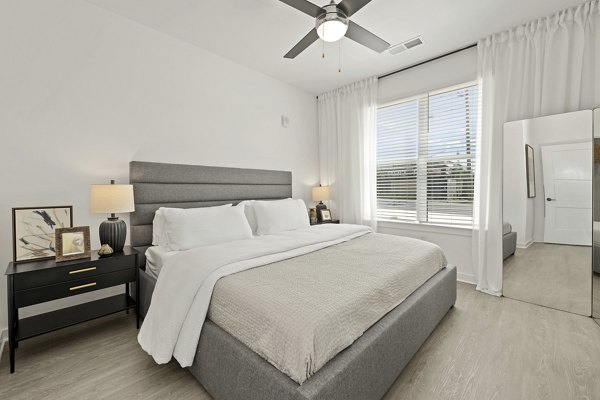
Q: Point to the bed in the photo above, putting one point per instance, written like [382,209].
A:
[228,368]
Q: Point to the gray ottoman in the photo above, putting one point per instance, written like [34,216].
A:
[509,241]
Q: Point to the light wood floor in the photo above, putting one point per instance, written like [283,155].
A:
[552,275]
[485,348]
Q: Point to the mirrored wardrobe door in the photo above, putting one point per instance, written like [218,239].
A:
[596,230]
[547,211]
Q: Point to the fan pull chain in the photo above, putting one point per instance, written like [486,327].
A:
[323,53]
[340,55]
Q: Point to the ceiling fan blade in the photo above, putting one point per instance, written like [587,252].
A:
[349,7]
[305,6]
[366,38]
[306,41]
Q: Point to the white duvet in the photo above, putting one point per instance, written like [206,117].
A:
[184,287]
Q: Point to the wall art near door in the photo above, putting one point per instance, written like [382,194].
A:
[530,166]
[33,231]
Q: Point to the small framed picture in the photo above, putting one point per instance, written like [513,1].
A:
[325,215]
[312,214]
[72,243]
[33,231]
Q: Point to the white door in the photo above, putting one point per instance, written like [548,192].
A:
[567,172]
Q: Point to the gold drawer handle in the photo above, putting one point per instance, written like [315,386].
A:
[83,286]
[81,270]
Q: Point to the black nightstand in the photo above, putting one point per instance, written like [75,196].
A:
[40,281]
[333,221]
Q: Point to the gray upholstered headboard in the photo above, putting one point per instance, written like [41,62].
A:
[186,186]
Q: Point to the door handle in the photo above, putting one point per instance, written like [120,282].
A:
[550,199]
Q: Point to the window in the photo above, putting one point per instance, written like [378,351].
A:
[426,149]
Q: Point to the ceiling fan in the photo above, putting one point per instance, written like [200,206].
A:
[333,23]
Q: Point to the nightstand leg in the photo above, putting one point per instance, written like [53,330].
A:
[137,305]
[127,293]
[16,323]
[11,350]
[137,294]
[12,358]
[11,323]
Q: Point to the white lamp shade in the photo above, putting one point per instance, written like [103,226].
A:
[111,199]
[320,193]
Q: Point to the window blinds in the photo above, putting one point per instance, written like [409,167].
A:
[426,150]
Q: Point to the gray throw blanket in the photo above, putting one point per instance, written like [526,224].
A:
[301,312]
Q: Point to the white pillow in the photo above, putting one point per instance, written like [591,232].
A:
[248,206]
[280,215]
[189,228]
[158,229]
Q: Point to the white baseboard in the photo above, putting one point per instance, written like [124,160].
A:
[466,278]
[3,340]
[524,245]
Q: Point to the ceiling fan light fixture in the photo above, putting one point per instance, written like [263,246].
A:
[332,25]
[332,31]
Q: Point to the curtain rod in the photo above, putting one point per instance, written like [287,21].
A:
[427,61]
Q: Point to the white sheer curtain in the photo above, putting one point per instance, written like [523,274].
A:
[548,66]
[347,150]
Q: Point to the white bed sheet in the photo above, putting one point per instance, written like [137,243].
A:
[156,256]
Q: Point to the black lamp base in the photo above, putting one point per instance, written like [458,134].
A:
[320,207]
[113,232]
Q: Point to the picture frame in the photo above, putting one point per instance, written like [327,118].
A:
[312,216]
[530,170]
[325,215]
[72,243]
[33,231]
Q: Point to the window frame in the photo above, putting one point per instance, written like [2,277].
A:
[421,213]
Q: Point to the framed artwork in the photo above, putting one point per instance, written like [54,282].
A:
[312,215]
[325,215]
[530,168]
[72,243]
[33,231]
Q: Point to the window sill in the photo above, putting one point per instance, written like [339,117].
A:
[421,227]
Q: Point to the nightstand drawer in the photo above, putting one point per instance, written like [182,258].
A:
[72,271]
[29,297]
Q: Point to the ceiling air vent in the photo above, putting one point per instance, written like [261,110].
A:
[407,45]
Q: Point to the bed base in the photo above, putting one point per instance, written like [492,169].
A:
[228,369]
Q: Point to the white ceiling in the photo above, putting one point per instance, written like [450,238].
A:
[257,33]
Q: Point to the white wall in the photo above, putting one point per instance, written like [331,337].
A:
[83,92]
[527,215]
[448,71]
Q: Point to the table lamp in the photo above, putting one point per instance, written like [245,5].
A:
[319,194]
[112,199]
